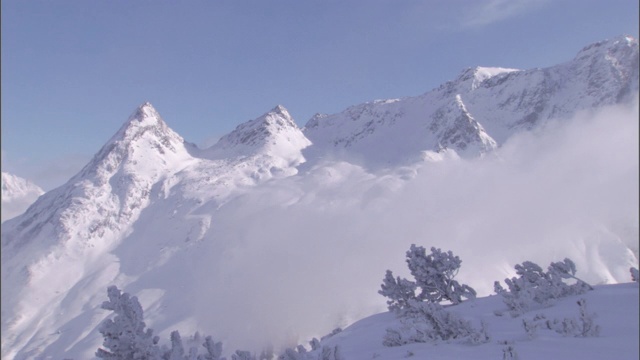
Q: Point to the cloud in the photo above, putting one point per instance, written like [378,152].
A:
[296,258]
[492,11]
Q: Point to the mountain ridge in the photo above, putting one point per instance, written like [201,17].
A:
[146,184]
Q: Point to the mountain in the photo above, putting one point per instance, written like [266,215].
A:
[17,195]
[480,109]
[229,239]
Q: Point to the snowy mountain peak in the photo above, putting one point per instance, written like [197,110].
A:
[15,186]
[144,118]
[145,110]
[472,78]
[144,129]
[274,129]
[17,195]
[607,48]
[281,110]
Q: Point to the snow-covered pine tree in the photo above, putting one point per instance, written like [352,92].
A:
[430,322]
[242,355]
[315,344]
[124,335]
[565,269]
[434,274]
[635,276]
[398,291]
[534,288]
[214,350]
[177,349]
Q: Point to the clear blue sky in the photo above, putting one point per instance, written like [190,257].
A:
[74,70]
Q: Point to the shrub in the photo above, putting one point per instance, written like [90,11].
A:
[434,277]
[125,336]
[583,326]
[535,288]
[429,322]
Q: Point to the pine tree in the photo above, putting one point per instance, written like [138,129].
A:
[124,335]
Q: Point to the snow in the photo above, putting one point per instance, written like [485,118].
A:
[276,233]
[17,195]
[615,306]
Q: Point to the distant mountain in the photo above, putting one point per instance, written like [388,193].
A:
[147,213]
[480,109]
[17,195]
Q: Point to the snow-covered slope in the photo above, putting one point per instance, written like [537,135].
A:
[229,240]
[615,308]
[17,195]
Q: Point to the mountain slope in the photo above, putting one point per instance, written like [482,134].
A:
[201,235]
[495,104]
[17,195]
[145,172]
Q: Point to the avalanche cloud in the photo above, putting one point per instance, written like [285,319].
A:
[309,252]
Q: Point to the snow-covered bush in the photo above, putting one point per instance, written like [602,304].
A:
[319,353]
[214,350]
[125,336]
[434,277]
[315,344]
[333,332]
[536,288]
[177,349]
[294,354]
[634,274]
[398,291]
[583,326]
[242,355]
[430,322]
[422,317]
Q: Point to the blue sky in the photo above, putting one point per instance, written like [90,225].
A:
[74,70]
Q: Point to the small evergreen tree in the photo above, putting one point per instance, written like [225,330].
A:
[242,355]
[434,276]
[177,349]
[124,335]
[634,274]
[214,350]
[430,322]
[399,291]
[315,344]
[534,288]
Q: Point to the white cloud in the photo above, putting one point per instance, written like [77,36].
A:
[47,174]
[492,11]
[306,254]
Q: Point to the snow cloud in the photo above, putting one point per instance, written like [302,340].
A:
[298,257]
